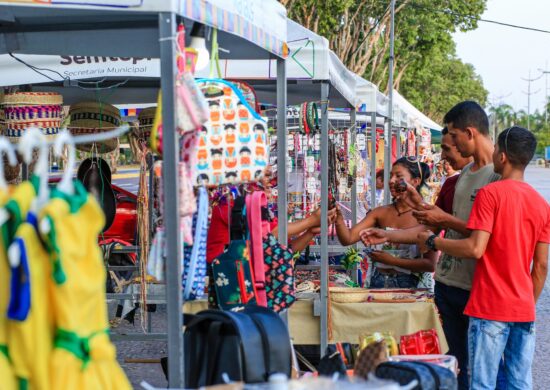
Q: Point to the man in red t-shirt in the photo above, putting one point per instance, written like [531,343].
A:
[510,225]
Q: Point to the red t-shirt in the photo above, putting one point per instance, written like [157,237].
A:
[447,194]
[518,218]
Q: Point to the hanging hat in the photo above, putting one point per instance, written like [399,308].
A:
[94,118]
[146,118]
[22,110]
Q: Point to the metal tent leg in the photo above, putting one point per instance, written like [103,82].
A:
[174,300]
[373,161]
[282,152]
[387,159]
[324,215]
[353,119]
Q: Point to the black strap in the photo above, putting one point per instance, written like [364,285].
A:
[238,219]
[210,355]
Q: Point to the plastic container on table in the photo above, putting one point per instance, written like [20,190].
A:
[423,342]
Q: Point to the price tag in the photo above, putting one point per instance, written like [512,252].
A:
[288,164]
[310,163]
[361,141]
[317,142]
[311,185]
[360,185]
[290,143]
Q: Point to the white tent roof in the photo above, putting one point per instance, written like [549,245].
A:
[369,98]
[415,116]
[310,59]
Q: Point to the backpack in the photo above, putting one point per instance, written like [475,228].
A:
[233,145]
[248,346]
[429,376]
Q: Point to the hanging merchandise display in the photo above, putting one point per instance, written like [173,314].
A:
[249,94]
[194,261]
[411,143]
[233,145]
[22,110]
[146,117]
[94,118]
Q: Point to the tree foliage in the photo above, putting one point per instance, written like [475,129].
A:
[504,116]
[359,33]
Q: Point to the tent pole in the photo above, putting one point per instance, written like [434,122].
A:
[174,300]
[353,117]
[282,152]
[324,215]
[387,159]
[389,123]
[373,161]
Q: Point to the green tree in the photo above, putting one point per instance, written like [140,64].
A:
[359,33]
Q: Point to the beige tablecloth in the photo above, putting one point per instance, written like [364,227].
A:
[350,320]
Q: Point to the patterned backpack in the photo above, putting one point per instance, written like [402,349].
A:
[233,145]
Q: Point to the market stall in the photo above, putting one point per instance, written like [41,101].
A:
[144,29]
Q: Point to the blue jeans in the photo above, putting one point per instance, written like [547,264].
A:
[399,280]
[451,302]
[488,340]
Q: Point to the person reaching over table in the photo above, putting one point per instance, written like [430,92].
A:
[404,267]
[508,244]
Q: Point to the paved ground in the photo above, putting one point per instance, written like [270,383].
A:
[538,177]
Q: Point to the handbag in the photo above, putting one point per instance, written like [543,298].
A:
[279,274]
[258,229]
[232,277]
[370,358]
[194,257]
[233,144]
[428,376]
[246,346]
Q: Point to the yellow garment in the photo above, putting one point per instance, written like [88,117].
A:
[7,380]
[30,341]
[83,357]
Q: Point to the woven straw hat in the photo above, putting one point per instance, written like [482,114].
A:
[22,110]
[94,118]
[146,118]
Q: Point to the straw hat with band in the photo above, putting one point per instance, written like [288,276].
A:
[146,118]
[22,110]
[94,118]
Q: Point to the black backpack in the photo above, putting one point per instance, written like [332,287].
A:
[247,346]
[429,376]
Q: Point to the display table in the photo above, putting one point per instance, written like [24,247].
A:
[351,320]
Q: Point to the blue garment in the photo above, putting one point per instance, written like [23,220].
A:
[20,286]
[399,280]
[488,341]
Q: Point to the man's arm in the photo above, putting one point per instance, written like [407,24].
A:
[434,216]
[472,247]
[540,268]
[380,236]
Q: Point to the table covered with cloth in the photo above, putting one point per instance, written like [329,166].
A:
[351,320]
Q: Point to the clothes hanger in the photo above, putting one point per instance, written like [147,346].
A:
[65,138]
[34,139]
[6,147]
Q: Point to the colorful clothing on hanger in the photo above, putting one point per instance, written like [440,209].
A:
[6,371]
[30,329]
[83,357]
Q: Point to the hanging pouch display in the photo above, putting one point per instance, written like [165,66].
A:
[258,228]
[279,274]
[233,278]
[194,261]
[233,144]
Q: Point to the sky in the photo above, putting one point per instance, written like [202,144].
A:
[503,56]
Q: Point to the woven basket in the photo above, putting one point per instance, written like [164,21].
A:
[146,118]
[94,118]
[348,294]
[22,110]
